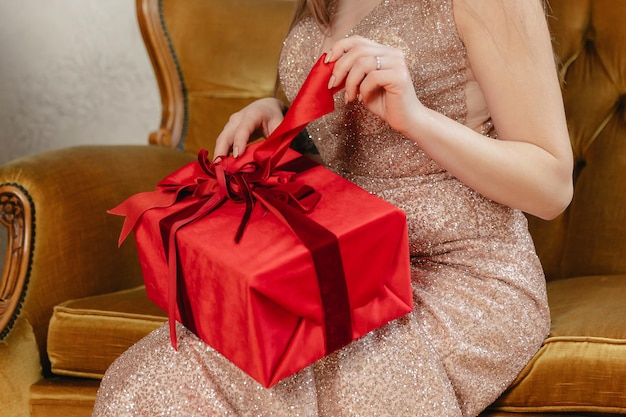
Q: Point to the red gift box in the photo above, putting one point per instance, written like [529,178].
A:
[321,263]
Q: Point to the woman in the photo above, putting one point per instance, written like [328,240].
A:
[451,111]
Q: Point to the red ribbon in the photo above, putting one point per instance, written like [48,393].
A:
[247,181]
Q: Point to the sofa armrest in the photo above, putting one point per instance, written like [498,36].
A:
[61,242]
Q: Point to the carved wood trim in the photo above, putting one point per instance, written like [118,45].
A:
[17,214]
[171,87]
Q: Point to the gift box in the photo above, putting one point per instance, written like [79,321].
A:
[271,259]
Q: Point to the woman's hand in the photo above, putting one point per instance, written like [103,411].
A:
[376,75]
[530,167]
[257,119]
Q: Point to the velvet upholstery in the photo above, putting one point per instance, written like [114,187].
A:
[63,397]
[225,75]
[80,303]
[582,364]
[85,335]
[203,81]
[590,43]
[20,367]
[75,250]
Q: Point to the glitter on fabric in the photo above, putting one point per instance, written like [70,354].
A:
[480,304]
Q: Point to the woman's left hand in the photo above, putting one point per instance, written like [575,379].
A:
[376,75]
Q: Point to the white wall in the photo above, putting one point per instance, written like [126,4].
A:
[73,72]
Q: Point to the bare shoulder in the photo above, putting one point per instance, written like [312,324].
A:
[509,50]
[504,20]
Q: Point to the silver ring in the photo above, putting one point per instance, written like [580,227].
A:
[378,63]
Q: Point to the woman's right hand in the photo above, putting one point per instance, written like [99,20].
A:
[258,119]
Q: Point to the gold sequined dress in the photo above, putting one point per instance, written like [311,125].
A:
[479,291]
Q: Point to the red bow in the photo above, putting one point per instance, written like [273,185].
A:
[256,177]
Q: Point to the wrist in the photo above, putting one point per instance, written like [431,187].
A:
[419,123]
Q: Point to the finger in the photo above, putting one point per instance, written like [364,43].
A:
[355,64]
[349,69]
[362,68]
[272,124]
[240,140]
[338,54]
[234,136]
[372,85]
[339,48]
[223,142]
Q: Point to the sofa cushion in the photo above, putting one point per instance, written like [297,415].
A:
[581,367]
[20,367]
[85,335]
[63,397]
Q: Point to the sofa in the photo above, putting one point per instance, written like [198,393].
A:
[71,301]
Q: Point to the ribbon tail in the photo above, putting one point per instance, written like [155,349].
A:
[134,207]
[313,101]
[174,301]
[324,248]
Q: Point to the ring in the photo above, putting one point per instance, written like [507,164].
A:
[378,63]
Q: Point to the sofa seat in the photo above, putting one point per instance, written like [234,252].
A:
[586,344]
[63,397]
[582,364]
[86,335]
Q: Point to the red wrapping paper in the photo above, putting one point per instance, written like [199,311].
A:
[273,261]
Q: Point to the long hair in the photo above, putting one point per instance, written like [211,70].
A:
[320,10]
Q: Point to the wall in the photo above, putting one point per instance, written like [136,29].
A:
[73,72]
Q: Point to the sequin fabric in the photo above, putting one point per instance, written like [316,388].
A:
[479,291]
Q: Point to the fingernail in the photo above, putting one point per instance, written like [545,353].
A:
[331,82]
[346,98]
[328,56]
[235,151]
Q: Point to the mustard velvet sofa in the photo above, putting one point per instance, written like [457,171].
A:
[71,301]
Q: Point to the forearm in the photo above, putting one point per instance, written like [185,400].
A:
[518,174]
